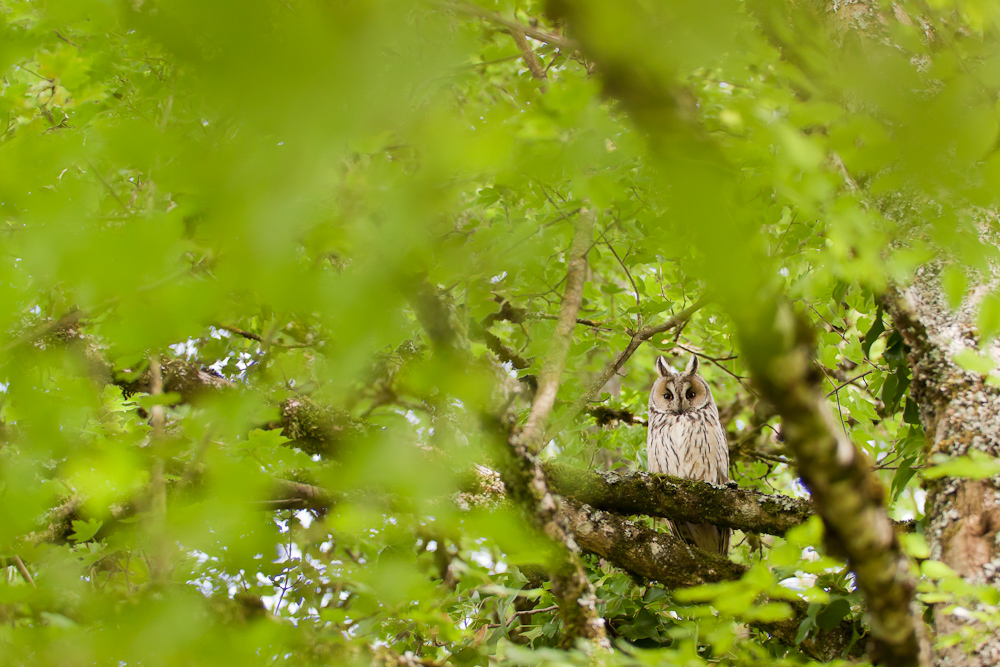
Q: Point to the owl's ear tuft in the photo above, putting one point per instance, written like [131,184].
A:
[663,368]
[692,366]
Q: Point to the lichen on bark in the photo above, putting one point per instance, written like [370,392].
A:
[633,492]
[315,428]
[960,412]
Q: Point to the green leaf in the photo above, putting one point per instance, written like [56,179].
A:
[895,350]
[904,473]
[972,361]
[988,594]
[975,465]
[988,319]
[839,290]
[58,620]
[955,285]
[894,387]
[873,333]
[805,626]
[147,401]
[833,613]
[916,546]
[933,569]
[911,414]
[654,594]
[85,530]
[266,438]
[768,612]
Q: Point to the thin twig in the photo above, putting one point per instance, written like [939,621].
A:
[532,612]
[769,457]
[24,571]
[107,186]
[781,239]
[286,583]
[525,612]
[840,409]
[833,329]
[885,463]
[838,162]
[638,338]
[66,39]
[261,339]
[717,361]
[40,332]
[158,515]
[155,389]
[593,324]
[562,338]
[487,63]
[542,36]
[847,382]
[628,274]
[530,57]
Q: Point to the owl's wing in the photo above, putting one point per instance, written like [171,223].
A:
[704,536]
[720,448]
[723,534]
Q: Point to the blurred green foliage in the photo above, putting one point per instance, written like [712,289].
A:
[271,189]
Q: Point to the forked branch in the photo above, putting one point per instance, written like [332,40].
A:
[638,338]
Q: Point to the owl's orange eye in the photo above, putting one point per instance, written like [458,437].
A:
[690,394]
[669,395]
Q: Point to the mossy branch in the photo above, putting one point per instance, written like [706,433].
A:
[669,561]
[641,493]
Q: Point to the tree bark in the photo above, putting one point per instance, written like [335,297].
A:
[526,480]
[666,559]
[630,492]
[960,413]
[843,485]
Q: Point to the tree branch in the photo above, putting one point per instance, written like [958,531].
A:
[159,551]
[179,377]
[604,415]
[503,353]
[559,41]
[523,474]
[562,337]
[638,338]
[260,339]
[530,57]
[664,558]
[44,330]
[848,495]
[659,556]
[680,499]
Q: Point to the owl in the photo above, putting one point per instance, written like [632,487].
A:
[685,439]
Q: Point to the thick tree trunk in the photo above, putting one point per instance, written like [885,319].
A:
[960,414]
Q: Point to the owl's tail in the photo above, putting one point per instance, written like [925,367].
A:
[702,535]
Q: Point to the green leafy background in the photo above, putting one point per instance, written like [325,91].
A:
[174,173]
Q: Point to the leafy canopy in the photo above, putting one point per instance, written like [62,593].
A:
[330,204]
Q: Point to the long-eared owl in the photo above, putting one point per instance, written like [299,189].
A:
[686,439]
